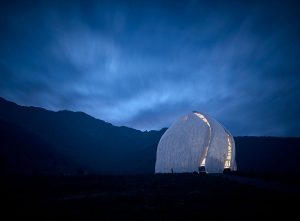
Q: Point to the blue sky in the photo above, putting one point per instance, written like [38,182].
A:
[143,64]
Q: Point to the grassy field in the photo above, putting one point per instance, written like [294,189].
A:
[148,197]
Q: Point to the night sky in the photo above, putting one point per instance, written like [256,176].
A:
[143,64]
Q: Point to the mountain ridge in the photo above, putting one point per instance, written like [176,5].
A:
[82,138]
[69,142]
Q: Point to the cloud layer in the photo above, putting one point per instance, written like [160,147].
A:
[144,64]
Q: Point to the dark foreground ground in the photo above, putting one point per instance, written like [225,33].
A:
[151,197]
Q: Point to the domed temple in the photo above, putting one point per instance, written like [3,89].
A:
[195,143]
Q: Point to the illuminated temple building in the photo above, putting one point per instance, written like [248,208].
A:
[195,143]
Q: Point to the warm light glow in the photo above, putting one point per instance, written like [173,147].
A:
[228,158]
[203,162]
[203,118]
[206,148]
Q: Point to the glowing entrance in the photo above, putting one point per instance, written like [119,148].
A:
[202,165]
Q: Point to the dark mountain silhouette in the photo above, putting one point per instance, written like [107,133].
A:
[37,141]
[73,140]
[26,153]
[276,155]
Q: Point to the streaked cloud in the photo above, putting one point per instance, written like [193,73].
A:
[143,64]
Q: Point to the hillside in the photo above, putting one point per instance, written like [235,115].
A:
[91,145]
[37,141]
